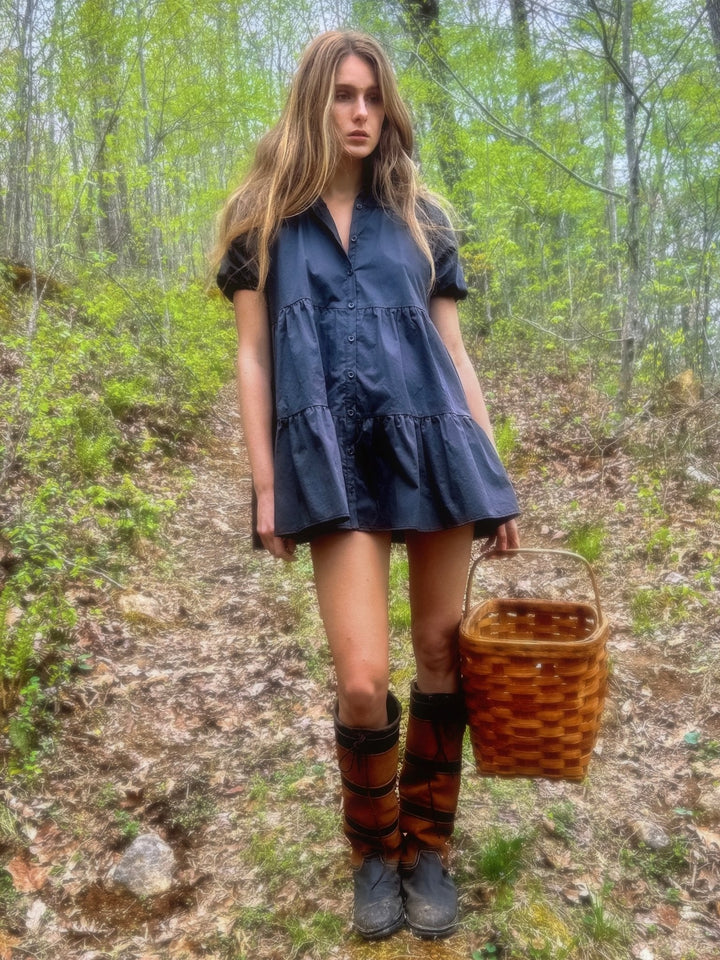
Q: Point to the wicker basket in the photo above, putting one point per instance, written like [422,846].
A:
[534,674]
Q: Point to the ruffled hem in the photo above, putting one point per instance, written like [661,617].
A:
[309,479]
[396,473]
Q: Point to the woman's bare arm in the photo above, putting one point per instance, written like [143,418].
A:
[254,380]
[444,314]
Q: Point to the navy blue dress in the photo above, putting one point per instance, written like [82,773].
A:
[373,431]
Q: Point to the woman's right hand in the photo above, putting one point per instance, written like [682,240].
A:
[282,548]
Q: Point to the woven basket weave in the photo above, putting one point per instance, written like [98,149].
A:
[534,674]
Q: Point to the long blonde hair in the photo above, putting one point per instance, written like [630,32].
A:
[296,159]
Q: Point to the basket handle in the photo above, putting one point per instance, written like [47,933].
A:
[492,552]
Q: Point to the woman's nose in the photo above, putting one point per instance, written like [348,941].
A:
[360,107]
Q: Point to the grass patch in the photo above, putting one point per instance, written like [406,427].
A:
[587,539]
[562,816]
[280,859]
[655,608]
[657,866]
[293,933]
[602,927]
[502,856]
[399,601]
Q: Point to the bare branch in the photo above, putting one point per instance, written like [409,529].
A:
[510,133]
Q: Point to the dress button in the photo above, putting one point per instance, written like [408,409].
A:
[353,238]
[358,206]
[351,338]
[350,449]
[351,412]
[351,304]
[349,271]
[351,374]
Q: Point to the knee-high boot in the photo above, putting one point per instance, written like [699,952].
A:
[368,761]
[429,790]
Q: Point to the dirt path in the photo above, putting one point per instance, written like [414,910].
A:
[205,719]
[196,694]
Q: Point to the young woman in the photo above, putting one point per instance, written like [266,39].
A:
[365,424]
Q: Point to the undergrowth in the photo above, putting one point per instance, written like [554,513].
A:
[102,388]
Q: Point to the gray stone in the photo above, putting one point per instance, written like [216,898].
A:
[651,835]
[147,866]
[709,802]
[139,607]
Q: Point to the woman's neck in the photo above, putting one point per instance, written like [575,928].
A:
[346,181]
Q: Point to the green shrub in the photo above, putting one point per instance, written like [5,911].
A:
[106,383]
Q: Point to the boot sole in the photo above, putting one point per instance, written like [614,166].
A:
[384,932]
[423,933]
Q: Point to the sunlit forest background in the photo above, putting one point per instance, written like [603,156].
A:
[578,142]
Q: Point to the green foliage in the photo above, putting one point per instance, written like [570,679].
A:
[399,606]
[667,606]
[587,539]
[704,749]
[32,638]
[502,856]
[489,951]
[107,386]
[517,134]
[128,826]
[562,816]
[602,926]
[659,866]
[506,437]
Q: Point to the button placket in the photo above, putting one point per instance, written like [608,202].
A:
[351,314]
[353,415]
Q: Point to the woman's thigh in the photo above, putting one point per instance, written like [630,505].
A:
[438,565]
[351,571]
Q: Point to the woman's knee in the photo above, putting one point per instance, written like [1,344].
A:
[362,701]
[436,646]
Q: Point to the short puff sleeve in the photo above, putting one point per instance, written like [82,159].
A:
[238,269]
[449,279]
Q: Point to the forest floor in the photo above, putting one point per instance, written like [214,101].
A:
[205,719]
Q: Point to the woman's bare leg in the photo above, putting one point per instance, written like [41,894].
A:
[351,577]
[438,564]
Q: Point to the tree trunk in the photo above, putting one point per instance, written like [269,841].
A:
[712,8]
[154,185]
[20,227]
[524,59]
[631,319]
[424,26]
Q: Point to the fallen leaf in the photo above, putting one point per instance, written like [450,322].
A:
[233,791]
[7,943]
[26,877]
[557,859]
[577,893]
[708,837]
[667,917]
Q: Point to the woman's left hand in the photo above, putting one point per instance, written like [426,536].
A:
[506,537]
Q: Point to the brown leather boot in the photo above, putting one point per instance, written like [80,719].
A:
[368,761]
[429,789]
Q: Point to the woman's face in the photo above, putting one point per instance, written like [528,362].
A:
[357,109]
